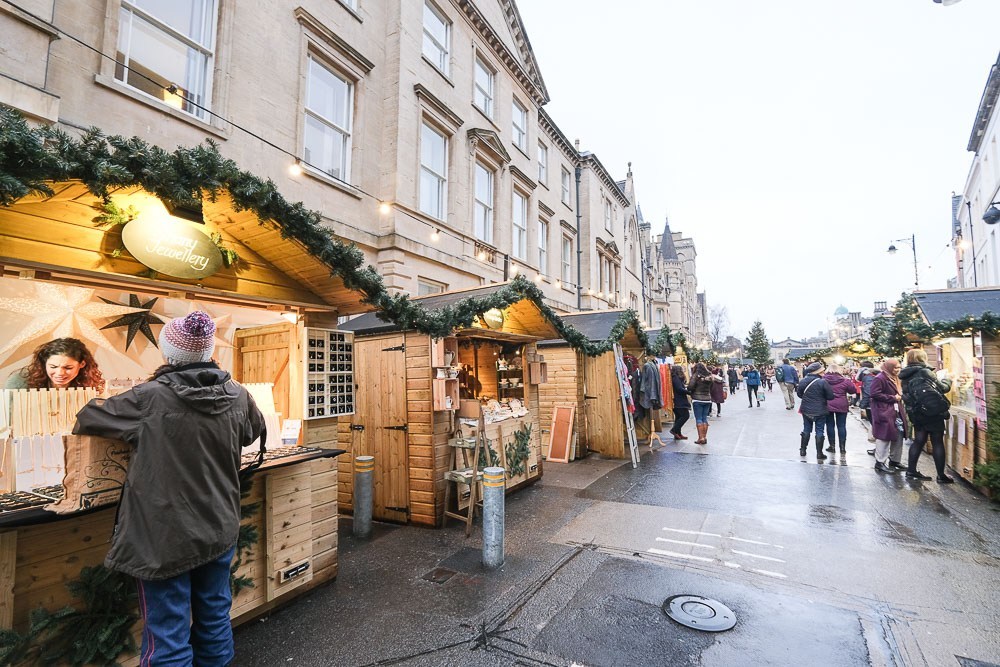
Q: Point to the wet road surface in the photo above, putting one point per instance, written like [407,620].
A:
[823,563]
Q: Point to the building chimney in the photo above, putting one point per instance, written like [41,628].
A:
[576,144]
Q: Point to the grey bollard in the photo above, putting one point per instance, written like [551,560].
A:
[493,516]
[364,469]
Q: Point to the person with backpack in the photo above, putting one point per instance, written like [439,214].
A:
[927,408]
[836,418]
[788,379]
[815,393]
[752,377]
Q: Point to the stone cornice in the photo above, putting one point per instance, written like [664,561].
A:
[438,106]
[602,173]
[556,135]
[545,209]
[489,143]
[522,177]
[987,106]
[532,81]
[333,40]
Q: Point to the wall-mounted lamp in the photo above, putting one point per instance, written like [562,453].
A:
[295,169]
[992,214]
[384,207]
[436,235]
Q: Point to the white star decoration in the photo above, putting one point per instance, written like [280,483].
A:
[60,312]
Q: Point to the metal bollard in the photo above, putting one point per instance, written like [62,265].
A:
[493,516]
[364,469]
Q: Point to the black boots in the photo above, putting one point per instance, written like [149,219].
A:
[804,444]
[833,446]
[820,456]
[843,446]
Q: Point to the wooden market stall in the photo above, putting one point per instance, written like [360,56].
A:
[414,391]
[972,360]
[276,306]
[589,384]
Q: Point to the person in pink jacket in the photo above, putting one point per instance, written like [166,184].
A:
[836,418]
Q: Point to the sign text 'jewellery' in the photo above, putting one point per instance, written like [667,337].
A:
[172,247]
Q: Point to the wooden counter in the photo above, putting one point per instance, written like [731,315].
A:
[296,524]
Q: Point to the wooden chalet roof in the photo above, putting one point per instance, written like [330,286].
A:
[596,325]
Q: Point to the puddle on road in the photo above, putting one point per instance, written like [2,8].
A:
[829,514]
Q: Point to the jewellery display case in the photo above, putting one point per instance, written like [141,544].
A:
[329,376]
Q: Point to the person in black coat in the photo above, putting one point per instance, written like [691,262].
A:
[682,404]
[814,392]
[917,376]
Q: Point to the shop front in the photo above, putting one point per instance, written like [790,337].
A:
[110,271]
[971,359]
[419,397]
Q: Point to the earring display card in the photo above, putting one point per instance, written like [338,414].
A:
[329,373]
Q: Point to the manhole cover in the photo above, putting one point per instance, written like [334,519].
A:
[700,613]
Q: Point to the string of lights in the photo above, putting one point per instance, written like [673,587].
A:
[295,169]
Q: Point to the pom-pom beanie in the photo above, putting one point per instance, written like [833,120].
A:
[189,339]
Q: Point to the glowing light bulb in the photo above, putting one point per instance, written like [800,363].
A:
[558,284]
[384,208]
[538,277]
[436,235]
[295,169]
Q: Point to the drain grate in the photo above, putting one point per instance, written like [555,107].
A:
[700,613]
[439,575]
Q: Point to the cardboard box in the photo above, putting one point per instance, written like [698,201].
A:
[469,408]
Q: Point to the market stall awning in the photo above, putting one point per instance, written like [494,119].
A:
[597,326]
[57,236]
[521,319]
[953,304]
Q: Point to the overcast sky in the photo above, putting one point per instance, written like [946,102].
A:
[792,139]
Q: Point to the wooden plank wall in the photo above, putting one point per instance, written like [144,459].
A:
[565,387]
[428,435]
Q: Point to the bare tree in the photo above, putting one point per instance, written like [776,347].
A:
[718,325]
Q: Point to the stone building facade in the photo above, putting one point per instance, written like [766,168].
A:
[415,128]
[676,301]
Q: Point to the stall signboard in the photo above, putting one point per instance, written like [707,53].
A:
[979,391]
[172,247]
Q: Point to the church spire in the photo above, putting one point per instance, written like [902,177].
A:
[667,248]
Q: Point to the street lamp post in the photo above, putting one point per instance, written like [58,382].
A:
[913,244]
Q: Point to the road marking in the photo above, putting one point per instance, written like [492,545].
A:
[733,565]
[745,553]
[692,532]
[661,552]
[693,544]
[770,574]
[763,544]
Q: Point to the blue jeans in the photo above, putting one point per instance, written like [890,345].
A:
[186,618]
[701,411]
[838,419]
[813,423]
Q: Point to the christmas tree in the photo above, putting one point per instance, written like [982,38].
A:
[758,348]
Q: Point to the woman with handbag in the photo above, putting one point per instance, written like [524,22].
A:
[888,418]
[927,408]
[700,387]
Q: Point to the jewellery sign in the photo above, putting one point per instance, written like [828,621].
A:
[172,247]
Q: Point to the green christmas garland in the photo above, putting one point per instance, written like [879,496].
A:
[32,158]
[518,451]
[988,473]
[246,539]
[96,634]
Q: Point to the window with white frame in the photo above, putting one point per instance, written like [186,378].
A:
[165,45]
[433,171]
[426,286]
[519,218]
[607,214]
[329,102]
[566,182]
[483,213]
[567,259]
[659,318]
[437,37]
[543,163]
[482,96]
[520,125]
[543,246]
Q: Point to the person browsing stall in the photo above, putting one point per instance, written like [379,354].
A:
[179,515]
